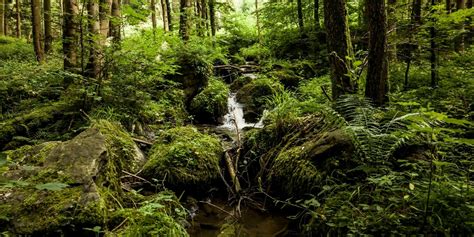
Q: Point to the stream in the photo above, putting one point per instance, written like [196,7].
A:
[211,217]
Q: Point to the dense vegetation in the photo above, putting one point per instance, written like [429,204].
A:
[358,117]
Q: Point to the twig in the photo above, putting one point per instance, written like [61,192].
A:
[219,208]
[142,141]
[232,173]
[120,225]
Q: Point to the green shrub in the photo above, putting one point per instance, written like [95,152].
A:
[15,49]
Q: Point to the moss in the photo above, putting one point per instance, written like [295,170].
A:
[255,95]
[184,157]
[32,155]
[240,82]
[211,103]
[287,77]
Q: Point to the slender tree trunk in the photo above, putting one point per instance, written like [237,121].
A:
[105,12]
[470,32]
[376,86]
[392,28]
[153,15]
[48,36]
[184,19]
[18,19]
[300,15]
[36,25]
[459,41]
[415,22]
[164,13]
[212,17]
[70,35]
[6,16]
[448,6]
[168,14]
[204,16]
[416,12]
[2,17]
[116,21]
[93,19]
[317,25]
[433,49]
[339,47]
[257,14]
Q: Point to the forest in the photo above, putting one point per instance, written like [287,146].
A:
[247,118]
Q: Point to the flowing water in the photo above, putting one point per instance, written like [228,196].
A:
[234,119]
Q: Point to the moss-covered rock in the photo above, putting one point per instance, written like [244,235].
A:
[67,186]
[288,78]
[211,104]
[240,82]
[184,158]
[255,94]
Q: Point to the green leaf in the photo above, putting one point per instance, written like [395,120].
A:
[52,186]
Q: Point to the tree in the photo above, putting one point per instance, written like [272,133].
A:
[18,19]
[300,15]
[116,22]
[2,17]
[70,35]
[164,14]
[168,14]
[376,86]
[153,15]
[212,17]
[459,41]
[184,19]
[433,49]
[316,15]
[339,47]
[415,23]
[392,28]
[36,25]
[105,11]
[93,67]
[48,36]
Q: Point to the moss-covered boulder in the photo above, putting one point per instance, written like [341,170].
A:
[184,158]
[61,187]
[211,103]
[255,95]
[288,78]
[240,82]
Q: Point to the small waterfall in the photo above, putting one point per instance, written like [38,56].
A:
[235,116]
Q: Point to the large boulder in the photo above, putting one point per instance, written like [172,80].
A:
[184,158]
[61,187]
[210,105]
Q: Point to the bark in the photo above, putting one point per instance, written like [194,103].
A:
[392,28]
[414,24]
[448,6]
[212,17]
[18,19]
[459,41]
[433,50]
[164,13]
[105,12]
[317,25]
[469,34]
[6,16]
[300,15]
[36,25]
[93,20]
[339,47]
[376,86]
[48,35]
[204,16]
[70,35]
[184,19]
[168,14]
[416,12]
[116,21]
[153,15]
[2,17]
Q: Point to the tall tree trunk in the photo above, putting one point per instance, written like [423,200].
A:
[433,49]
[116,21]
[168,14]
[2,17]
[153,15]
[470,32]
[93,20]
[36,25]
[317,25]
[392,28]
[6,16]
[212,17]
[70,35]
[105,12]
[416,12]
[300,15]
[448,6]
[184,19]
[18,19]
[164,12]
[339,47]
[459,41]
[48,35]
[204,16]
[376,86]
[415,22]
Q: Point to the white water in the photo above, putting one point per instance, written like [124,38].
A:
[234,119]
